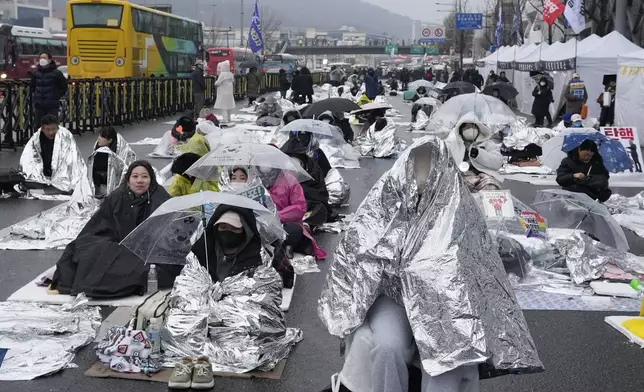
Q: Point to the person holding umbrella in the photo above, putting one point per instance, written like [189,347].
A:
[583,171]
[541,105]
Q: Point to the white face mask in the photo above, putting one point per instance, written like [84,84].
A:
[238,185]
[543,83]
[43,62]
[470,134]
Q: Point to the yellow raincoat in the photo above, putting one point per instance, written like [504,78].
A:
[197,144]
[363,100]
[181,186]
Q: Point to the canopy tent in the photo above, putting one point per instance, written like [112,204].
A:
[629,106]
[600,60]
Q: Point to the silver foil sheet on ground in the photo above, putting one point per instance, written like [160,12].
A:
[237,323]
[42,339]
[431,253]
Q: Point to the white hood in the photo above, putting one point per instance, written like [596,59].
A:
[222,67]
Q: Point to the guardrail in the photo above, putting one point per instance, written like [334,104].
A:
[93,103]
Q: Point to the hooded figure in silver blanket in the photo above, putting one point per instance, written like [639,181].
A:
[418,276]
[119,158]
[470,142]
[67,164]
[381,140]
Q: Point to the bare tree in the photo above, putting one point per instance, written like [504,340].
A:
[270,25]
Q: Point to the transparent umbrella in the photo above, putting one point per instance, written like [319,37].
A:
[420,83]
[245,154]
[490,111]
[166,237]
[307,125]
[568,210]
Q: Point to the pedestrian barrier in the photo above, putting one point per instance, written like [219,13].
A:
[92,103]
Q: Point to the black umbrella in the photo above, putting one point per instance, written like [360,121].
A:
[334,105]
[506,90]
[249,64]
[459,88]
[538,75]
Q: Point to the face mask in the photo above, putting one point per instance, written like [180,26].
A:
[237,186]
[470,134]
[577,124]
[43,62]
[543,83]
[230,239]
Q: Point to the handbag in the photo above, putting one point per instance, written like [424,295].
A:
[155,306]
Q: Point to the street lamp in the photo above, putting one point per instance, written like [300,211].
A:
[230,29]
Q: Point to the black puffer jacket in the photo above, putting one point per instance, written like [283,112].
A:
[48,86]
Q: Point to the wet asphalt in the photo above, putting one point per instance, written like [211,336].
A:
[580,351]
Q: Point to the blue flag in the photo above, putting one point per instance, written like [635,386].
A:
[255,39]
[516,25]
[499,28]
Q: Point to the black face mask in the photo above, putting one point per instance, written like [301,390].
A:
[230,239]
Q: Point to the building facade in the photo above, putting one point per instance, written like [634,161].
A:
[31,13]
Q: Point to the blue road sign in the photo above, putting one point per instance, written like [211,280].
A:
[467,21]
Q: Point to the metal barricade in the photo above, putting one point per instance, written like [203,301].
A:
[92,103]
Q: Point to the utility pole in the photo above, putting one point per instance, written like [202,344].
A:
[462,32]
[241,26]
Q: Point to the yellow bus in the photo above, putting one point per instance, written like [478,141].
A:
[118,39]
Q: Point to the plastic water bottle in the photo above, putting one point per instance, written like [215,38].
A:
[153,280]
[154,335]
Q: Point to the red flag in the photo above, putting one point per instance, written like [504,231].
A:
[551,10]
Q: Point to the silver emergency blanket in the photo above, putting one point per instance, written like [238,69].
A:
[117,163]
[42,339]
[433,255]
[421,123]
[339,153]
[339,190]
[381,144]
[168,147]
[237,323]
[67,163]
[56,227]
[522,136]
[588,259]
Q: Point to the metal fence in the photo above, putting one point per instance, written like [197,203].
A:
[92,103]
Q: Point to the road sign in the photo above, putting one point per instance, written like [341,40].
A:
[391,49]
[416,49]
[432,33]
[467,21]
[433,51]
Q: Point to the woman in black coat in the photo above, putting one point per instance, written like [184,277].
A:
[303,85]
[95,263]
[541,105]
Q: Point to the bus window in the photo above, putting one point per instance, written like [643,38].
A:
[24,46]
[57,47]
[41,45]
[103,15]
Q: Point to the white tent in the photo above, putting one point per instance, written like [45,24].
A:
[594,63]
[629,105]
[522,80]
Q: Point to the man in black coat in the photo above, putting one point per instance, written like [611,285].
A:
[198,88]
[583,171]
[48,86]
[541,105]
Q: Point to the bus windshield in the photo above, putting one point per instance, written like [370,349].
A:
[97,15]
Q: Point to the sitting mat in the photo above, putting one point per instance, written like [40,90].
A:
[100,370]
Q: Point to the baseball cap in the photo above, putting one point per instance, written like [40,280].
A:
[231,218]
[575,75]
[576,117]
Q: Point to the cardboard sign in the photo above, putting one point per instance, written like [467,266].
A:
[626,135]
[533,224]
[497,204]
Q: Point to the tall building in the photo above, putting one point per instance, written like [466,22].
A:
[25,12]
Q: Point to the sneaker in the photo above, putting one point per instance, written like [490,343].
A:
[202,377]
[181,377]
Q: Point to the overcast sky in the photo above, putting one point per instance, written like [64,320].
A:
[423,10]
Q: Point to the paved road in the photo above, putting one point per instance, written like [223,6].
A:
[581,352]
